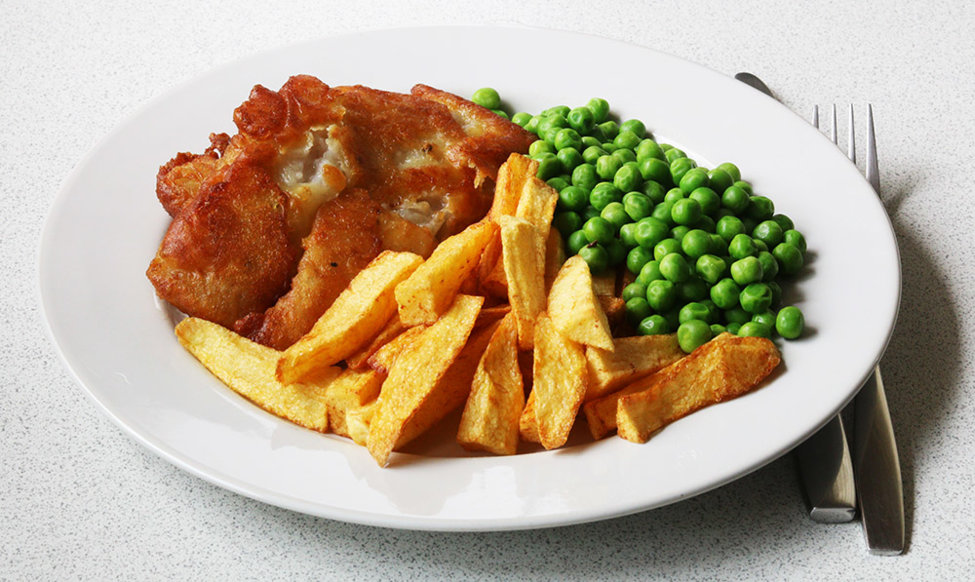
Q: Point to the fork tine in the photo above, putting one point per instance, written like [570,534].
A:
[872,169]
[815,117]
[851,147]
[833,116]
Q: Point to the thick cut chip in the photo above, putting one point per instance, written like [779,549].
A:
[604,285]
[431,289]
[493,314]
[523,255]
[537,204]
[491,416]
[512,176]
[528,422]
[393,328]
[351,390]
[382,360]
[249,369]
[560,380]
[357,315]
[416,372]
[357,420]
[719,370]
[554,257]
[574,309]
[633,358]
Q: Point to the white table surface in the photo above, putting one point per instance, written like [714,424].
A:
[81,500]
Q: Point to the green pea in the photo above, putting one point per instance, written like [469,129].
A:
[638,309]
[540,146]
[649,272]
[581,119]
[570,158]
[487,97]
[789,258]
[584,176]
[665,247]
[615,214]
[694,310]
[637,258]
[567,222]
[783,221]
[673,195]
[717,247]
[770,266]
[575,241]
[654,325]
[560,182]
[717,329]
[705,223]
[760,208]
[747,270]
[737,315]
[609,146]
[596,257]
[725,293]
[610,129]
[655,169]
[741,246]
[521,118]
[604,193]
[754,329]
[634,289]
[599,108]
[789,322]
[627,139]
[593,153]
[548,123]
[720,179]
[686,211]
[599,230]
[532,124]
[624,155]
[637,205]
[733,328]
[500,113]
[634,126]
[549,166]
[759,245]
[607,166]
[588,212]
[662,212]
[776,292]
[731,170]
[744,185]
[661,294]
[727,227]
[653,190]
[711,268]
[677,233]
[568,138]
[755,298]
[589,141]
[650,231]
[708,199]
[649,149]
[769,232]
[674,267]
[628,177]
[561,110]
[673,154]
[693,289]
[735,199]
[573,198]
[695,243]
[694,178]
[679,167]
[795,238]
[628,235]
[766,318]
[693,334]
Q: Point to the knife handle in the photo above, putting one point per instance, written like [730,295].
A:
[877,470]
[826,472]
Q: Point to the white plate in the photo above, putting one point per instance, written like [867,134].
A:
[118,341]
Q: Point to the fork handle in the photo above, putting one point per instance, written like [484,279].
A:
[877,470]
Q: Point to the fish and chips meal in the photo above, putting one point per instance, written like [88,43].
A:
[370,263]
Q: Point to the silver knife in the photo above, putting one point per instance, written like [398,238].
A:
[825,468]
[875,460]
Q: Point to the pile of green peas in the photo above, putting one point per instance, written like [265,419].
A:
[706,253]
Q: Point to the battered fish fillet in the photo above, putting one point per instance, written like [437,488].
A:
[355,170]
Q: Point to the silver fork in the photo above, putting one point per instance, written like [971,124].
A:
[876,466]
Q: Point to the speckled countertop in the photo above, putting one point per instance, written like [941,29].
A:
[81,500]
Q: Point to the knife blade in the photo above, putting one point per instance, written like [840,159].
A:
[825,466]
